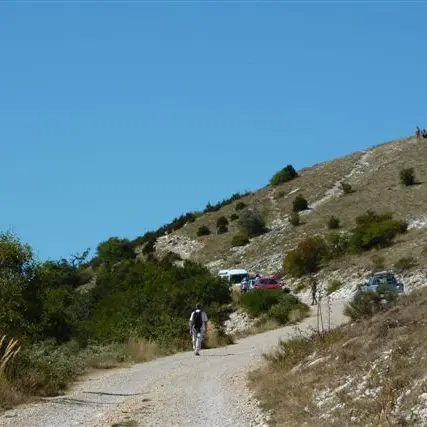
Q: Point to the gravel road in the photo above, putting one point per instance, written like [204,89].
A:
[179,390]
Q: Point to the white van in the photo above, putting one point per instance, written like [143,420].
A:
[234,275]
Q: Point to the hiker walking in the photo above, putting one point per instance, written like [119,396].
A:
[418,132]
[313,291]
[198,325]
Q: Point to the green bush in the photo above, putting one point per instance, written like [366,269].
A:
[259,301]
[233,217]
[307,257]
[222,221]
[407,176]
[338,243]
[282,311]
[252,223]
[367,303]
[294,219]
[115,250]
[346,188]
[333,286]
[240,206]
[286,174]
[203,230]
[300,203]
[333,222]
[375,231]
[222,229]
[405,264]
[240,239]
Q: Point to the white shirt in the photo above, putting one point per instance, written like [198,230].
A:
[204,317]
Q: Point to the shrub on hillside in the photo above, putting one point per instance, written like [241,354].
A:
[233,217]
[333,222]
[279,194]
[300,203]
[338,243]
[333,286]
[149,248]
[252,223]
[240,206]
[222,221]
[405,264]
[346,188]
[307,257]
[375,231]
[286,174]
[240,239]
[378,263]
[407,176]
[288,310]
[366,304]
[294,219]
[203,230]
[115,250]
[259,301]
[222,229]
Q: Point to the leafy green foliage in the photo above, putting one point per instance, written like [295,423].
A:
[252,223]
[338,243]
[333,222]
[222,220]
[407,176]
[115,250]
[307,257]
[240,239]
[272,304]
[294,219]
[375,231]
[284,175]
[225,202]
[203,230]
[367,303]
[300,203]
[333,286]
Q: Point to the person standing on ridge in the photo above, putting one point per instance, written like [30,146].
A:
[313,291]
[198,326]
[418,132]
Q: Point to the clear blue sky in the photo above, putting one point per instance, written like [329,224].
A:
[117,117]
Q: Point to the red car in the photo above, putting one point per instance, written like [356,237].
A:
[267,283]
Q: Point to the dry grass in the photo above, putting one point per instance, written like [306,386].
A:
[304,382]
[9,396]
[142,350]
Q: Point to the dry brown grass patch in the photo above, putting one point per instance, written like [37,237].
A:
[354,376]
[142,350]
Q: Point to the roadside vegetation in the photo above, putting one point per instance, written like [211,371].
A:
[369,372]
[55,330]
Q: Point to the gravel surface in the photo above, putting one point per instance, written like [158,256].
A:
[179,390]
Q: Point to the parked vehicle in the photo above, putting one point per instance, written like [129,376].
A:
[267,283]
[386,280]
[234,275]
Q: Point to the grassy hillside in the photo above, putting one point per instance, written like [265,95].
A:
[371,372]
[374,177]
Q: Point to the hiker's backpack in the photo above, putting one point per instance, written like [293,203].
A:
[197,320]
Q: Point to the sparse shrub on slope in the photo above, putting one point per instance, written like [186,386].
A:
[240,239]
[240,206]
[286,174]
[375,231]
[307,257]
[405,264]
[407,176]
[333,222]
[294,219]
[233,217]
[203,230]
[366,304]
[221,221]
[252,223]
[300,203]
[333,286]
[338,243]
[346,188]
[222,229]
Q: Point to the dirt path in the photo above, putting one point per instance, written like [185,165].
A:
[180,390]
